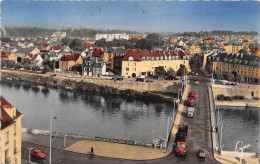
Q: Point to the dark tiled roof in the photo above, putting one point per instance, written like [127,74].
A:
[97,52]
[70,57]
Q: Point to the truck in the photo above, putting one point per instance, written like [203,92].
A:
[191,99]
[190,111]
[181,140]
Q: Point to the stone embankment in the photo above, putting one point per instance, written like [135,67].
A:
[166,90]
[251,96]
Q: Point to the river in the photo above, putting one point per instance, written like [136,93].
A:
[240,125]
[87,113]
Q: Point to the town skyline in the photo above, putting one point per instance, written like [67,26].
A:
[133,16]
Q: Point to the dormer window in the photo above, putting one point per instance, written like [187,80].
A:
[130,58]
[143,58]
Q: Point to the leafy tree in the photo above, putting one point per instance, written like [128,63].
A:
[240,78]
[101,43]
[171,74]
[182,70]
[76,44]
[66,41]
[27,66]
[26,61]
[230,76]
[6,40]
[9,64]
[35,68]
[160,71]
[218,75]
[17,66]
[46,69]
[3,63]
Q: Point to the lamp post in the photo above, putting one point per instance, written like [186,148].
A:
[169,118]
[65,140]
[30,149]
[53,116]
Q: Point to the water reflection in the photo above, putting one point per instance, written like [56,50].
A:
[35,89]
[26,87]
[45,91]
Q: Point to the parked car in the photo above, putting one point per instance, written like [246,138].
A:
[115,78]
[201,153]
[38,154]
[197,74]
[196,82]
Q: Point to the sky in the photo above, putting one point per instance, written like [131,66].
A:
[142,16]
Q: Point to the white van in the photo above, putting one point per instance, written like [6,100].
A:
[190,111]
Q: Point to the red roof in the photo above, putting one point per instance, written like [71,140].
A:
[30,55]
[6,120]
[210,38]
[97,52]
[70,57]
[137,54]
[5,53]
[245,40]
[35,56]
[254,50]
[225,44]
[184,40]
[22,41]
[88,46]
[46,45]
[57,47]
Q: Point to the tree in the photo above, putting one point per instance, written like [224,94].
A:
[6,40]
[160,71]
[27,66]
[76,44]
[9,63]
[171,74]
[218,75]
[240,78]
[17,66]
[230,76]
[101,43]
[182,70]
[3,62]
[26,61]
[35,68]
[66,41]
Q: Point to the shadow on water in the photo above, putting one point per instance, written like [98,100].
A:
[26,87]
[45,91]
[17,85]
[35,89]
[63,96]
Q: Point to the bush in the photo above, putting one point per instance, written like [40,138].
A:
[36,68]
[9,63]
[3,62]
[227,98]
[46,69]
[241,97]
[27,66]
[17,66]
[220,97]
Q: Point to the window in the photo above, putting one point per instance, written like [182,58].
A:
[14,129]
[127,69]
[15,150]
[6,156]
[7,138]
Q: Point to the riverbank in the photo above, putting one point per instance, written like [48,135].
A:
[156,90]
[251,96]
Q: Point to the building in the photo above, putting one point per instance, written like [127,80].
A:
[137,37]
[94,66]
[238,64]
[205,56]
[58,35]
[113,57]
[234,47]
[7,55]
[136,63]
[191,49]
[11,133]
[21,43]
[111,37]
[36,59]
[46,47]
[209,40]
[68,61]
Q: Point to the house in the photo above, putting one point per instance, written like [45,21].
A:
[137,37]
[233,47]
[46,47]
[36,59]
[209,40]
[8,55]
[57,48]
[113,57]
[89,47]
[94,66]
[191,49]
[21,43]
[58,35]
[136,62]
[24,51]
[11,133]
[98,52]
[68,61]
[238,64]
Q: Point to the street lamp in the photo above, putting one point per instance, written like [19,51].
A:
[65,140]
[169,118]
[30,149]
[53,116]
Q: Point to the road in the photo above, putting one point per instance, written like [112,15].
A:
[199,137]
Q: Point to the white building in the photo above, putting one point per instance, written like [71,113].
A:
[110,37]
[58,35]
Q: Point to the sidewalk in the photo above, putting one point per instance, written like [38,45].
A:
[123,151]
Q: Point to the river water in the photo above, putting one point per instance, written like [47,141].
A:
[240,125]
[88,113]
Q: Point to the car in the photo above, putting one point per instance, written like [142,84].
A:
[37,153]
[197,74]
[201,153]
[119,78]
[196,82]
